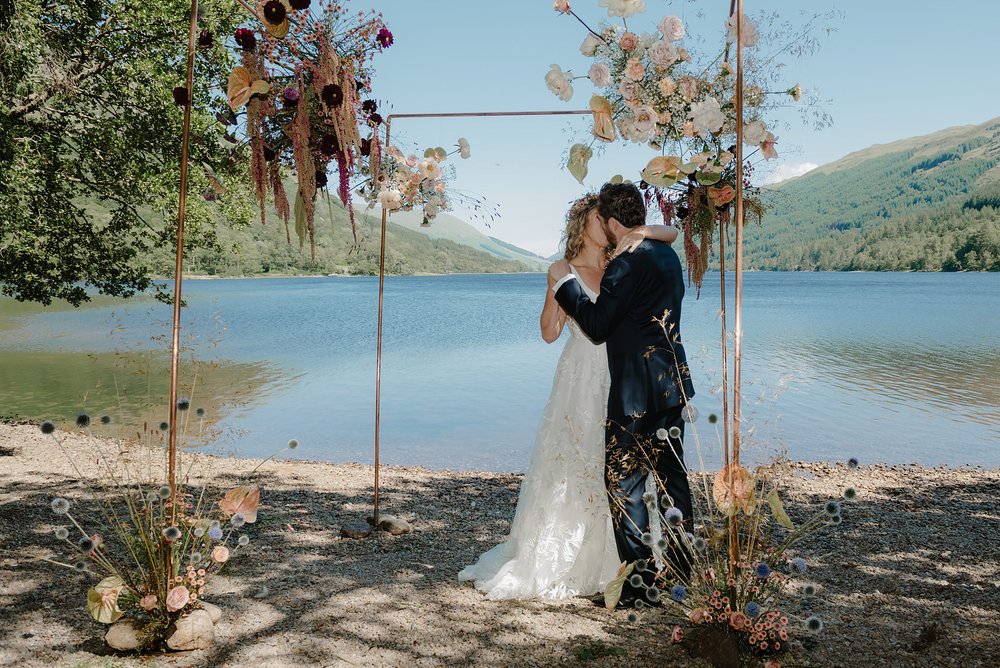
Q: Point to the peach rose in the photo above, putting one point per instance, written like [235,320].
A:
[667,86]
[629,41]
[737,620]
[561,6]
[148,602]
[178,597]
[634,69]
[697,616]
[220,554]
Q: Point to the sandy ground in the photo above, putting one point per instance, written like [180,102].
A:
[911,578]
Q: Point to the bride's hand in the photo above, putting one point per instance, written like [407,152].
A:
[629,243]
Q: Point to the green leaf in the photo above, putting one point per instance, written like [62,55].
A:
[778,510]
[708,178]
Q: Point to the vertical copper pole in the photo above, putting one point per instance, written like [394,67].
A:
[378,353]
[725,345]
[179,263]
[738,269]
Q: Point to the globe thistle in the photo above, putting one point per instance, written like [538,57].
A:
[799,564]
[62,533]
[814,624]
[678,592]
[699,544]
[215,524]
[171,534]
[243,541]
[199,532]
[640,566]
[674,516]
[86,544]
[689,413]
[753,609]
[662,434]
[653,594]
[200,412]
[164,426]
[82,420]
[164,492]
[647,538]
[80,566]
[762,570]
[850,494]
[292,444]
[662,544]
[238,520]
[215,533]
[196,558]
[636,581]
[105,419]
[639,604]
[183,404]
[809,590]
[60,506]
[835,519]
[712,418]
[633,618]
[674,432]
[47,427]
[852,463]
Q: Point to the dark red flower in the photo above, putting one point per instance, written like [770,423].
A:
[274,11]
[269,153]
[246,39]
[299,4]
[209,195]
[375,119]
[384,37]
[333,95]
[369,106]
[291,95]
[366,147]
[205,39]
[329,145]
[180,96]
[321,179]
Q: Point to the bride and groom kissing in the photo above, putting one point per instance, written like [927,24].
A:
[608,460]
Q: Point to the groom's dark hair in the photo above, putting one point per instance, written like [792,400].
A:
[623,202]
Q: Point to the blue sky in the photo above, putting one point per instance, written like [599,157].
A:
[889,74]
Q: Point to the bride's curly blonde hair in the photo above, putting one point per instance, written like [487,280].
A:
[574,236]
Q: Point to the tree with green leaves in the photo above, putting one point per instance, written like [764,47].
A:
[90,136]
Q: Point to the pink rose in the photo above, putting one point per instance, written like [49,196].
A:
[411,161]
[663,53]
[738,620]
[629,41]
[178,597]
[600,75]
[677,635]
[561,6]
[220,554]
[628,89]
[767,147]
[697,616]
[634,69]
[148,602]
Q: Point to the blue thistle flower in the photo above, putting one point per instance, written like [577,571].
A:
[238,520]
[639,604]
[712,418]
[199,532]
[62,533]
[86,544]
[653,594]
[673,516]
[832,508]
[835,519]
[82,420]
[809,590]
[215,533]
[852,463]
[633,618]
[678,592]
[662,544]
[814,624]
[183,404]
[674,432]
[636,581]
[47,427]
[699,544]
[196,558]
[105,419]
[689,413]
[80,566]
[849,494]
[640,566]
[799,564]
[647,538]
[171,534]
[753,609]
[762,570]
[164,492]
[200,412]
[662,434]
[164,426]
[292,444]
[60,506]
[243,541]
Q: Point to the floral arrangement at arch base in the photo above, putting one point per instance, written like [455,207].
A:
[148,553]
[302,97]
[651,91]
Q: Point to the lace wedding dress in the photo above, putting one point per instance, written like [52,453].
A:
[560,543]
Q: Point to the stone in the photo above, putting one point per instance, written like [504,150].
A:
[397,526]
[122,636]
[356,530]
[214,611]
[716,645]
[192,631]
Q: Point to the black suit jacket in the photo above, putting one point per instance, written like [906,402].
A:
[649,371]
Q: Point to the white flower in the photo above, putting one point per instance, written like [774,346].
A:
[390,199]
[663,53]
[629,130]
[590,44]
[749,30]
[558,83]
[600,75]
[707,116]
[561,6]
[623,8]
[754,133]
[430,169]
[645,119]
[431,209]
[463,148]
[672,28]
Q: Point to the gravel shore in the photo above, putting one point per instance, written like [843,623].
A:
[911,578]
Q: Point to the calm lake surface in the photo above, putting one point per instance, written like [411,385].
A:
[893,368]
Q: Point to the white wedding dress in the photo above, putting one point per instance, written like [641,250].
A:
[561,543]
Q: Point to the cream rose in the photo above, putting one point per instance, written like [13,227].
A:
[707,116]
[590,44]
[688,88]
[561,6]
[430,169]
[623,8]
[749,30]
[645,119]
[754,133]
[558,83]
[600,75]
[629,41]
[672,28]
[663,53]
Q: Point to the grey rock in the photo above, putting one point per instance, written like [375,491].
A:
[192,631]
[397,526]
[356,530]
[122,636]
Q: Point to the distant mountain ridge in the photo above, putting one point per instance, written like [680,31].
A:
[929,203]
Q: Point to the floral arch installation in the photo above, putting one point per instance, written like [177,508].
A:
[731,418]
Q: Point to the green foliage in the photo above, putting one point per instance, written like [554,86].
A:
[925,204]
[87,117]
[598,650]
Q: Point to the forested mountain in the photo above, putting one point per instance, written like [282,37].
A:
[929,203]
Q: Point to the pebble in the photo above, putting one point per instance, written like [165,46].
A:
[356,530]
[192,631]
[122,636]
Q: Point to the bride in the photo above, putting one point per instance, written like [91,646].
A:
[560,543]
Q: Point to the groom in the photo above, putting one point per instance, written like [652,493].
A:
[638,314]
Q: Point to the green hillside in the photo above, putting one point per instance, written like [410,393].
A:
[264,249]
[928,203]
